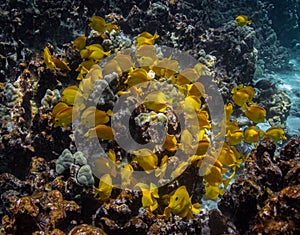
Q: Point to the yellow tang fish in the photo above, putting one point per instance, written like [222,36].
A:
[92,117]
[170,143]
[202,146]
[243,20]
[104,189]
[98,23]
[149,195]
[166,68]
[275,133]
[212,192]
[79,43]
[62,114]
[126,172]
[156,101]
[228,111]
[180,204]
[255,113]
[124,61]
[252,134]
[186,76]
[47,58]
[112,66]
[146,159]
[101,131]
[136,76]
[146,38]
[242,95]
[227,156]
[235,137]
[203,119]
[61,64]
[69,94]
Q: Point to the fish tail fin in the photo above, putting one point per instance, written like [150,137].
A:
[249,22]
[196,208]
[262,133]
[244,107]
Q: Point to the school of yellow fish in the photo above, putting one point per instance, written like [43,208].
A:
[177,202]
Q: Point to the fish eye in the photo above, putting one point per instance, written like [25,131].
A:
[176,198]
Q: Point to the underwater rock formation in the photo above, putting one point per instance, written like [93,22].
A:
[264,196]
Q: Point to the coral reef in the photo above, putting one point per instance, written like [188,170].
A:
[263,198]
[54,91]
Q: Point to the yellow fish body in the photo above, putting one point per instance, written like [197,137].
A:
[146,38]
[101,131]
[170,143]
[235,137]
[242,95]
[104,189]
[275,133]
[212,192]
[149,195]
[243,20]
[156,101]
[255,113]
[136,76]
[180,204]
[69,94]
[62,114]
[99,24]
[92,117]
[146,159]
[79,43]
[252,134]
[47,58]
[228,111]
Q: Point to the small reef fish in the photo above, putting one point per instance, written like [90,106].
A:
[100,131]
[53,63]
[146,55]
[47,58]
[79,43]
[212,192]
[243,20]
[228,111]
[92,117]
[126,172]
[104,189]
[186,76]
[146,38]
[156,101]
[228,156]
[136,76]
[146,159]
[150,194]
[255,113]
[234,137]
[84,67]
[203,119]
[202,146]
[170,143]
[99,24]
[94,51]
[166,68]
[180,204]
[242,95]
[275,133]
[252,134]
[62,114]
[69,94]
